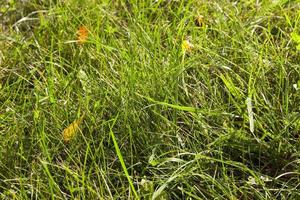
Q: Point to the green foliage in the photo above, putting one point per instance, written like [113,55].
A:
[296,38]
[174,108]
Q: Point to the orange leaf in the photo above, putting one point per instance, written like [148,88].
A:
[82,34]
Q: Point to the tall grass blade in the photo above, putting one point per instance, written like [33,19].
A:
[121,159]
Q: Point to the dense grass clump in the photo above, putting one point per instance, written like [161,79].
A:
[150,99]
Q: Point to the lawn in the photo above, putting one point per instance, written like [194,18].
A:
[150,99]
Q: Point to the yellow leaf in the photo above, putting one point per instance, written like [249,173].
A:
[71,131]
[187,46]
[82,34]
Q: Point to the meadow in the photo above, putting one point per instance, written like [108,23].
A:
[150,99]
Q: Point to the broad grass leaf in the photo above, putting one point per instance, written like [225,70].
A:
[71,131]
[295,37]
[250,114]
[84,80]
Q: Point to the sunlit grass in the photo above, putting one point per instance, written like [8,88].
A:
[181,100]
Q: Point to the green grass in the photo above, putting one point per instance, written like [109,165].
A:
[160,122]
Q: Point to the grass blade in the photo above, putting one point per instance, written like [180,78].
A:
[121,159]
